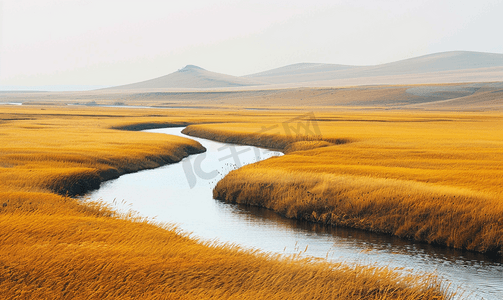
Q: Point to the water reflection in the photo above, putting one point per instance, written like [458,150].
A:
[169,194]
[368,241]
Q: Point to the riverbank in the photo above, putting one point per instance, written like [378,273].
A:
[425,176]
[56,247]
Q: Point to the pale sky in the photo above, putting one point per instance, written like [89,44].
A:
[109,42]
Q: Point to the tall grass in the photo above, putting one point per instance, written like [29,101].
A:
[56,247]
[432,177]
[441,215]
[82,257]
[72,154]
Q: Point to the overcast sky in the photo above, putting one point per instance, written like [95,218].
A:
[109,42]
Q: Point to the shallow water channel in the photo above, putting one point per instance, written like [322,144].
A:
[181,193]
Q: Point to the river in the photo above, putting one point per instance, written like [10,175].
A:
[181,193]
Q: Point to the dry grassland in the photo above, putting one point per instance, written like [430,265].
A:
[56,247]
[448,97]
[432,177]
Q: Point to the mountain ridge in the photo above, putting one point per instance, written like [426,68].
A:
[451,61]
[442,67]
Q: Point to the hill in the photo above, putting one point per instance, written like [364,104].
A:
[454,66]
[191,77]
[445,67]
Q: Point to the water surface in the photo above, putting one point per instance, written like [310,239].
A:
[182,193]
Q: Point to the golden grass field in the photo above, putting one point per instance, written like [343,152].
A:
[435,177]
[56,247]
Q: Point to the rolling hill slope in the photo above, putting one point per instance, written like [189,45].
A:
[451,65]
[439,68]
[191,77]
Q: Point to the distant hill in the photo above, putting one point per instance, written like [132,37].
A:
[445,67]
[191,77]
[301,69]
[449,63]
[438,62]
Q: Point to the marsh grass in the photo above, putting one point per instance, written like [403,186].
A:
[431,177]
[71,153]
[441,215]
[56,247]
[47,256]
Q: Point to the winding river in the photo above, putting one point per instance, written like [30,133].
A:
[182,193]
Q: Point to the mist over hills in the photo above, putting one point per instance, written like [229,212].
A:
[445,67]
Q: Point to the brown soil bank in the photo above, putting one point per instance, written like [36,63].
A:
[430,177]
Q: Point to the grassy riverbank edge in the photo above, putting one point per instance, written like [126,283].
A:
[81,183]
[401,212]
